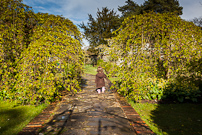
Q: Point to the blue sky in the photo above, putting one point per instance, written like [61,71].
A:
[77,10]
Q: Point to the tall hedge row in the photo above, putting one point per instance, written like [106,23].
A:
[40,54]
[161,57]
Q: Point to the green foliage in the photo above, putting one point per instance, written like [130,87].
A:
[157,50]
[155,89]
[182,91]
[31,73]
[13,40]
[108,67]
[101,63]
[162,6]
[158,6]
[105,65]
[101,27]
[131,8]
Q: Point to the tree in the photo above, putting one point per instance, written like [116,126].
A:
[198,21]
[101,27]
[131,8]
[158,6]
[163,6]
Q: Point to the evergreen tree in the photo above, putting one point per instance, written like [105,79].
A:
[131,8]
[163,6]
[101,27]
[158,6]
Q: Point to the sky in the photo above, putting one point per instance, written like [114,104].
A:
[77,10]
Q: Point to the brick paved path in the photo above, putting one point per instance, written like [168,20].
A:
[90,113]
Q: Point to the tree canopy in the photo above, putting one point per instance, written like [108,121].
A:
[131,8]
[158,6]
[162,6]
[101,27]
[106,21]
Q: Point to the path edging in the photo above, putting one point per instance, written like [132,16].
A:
[140,127]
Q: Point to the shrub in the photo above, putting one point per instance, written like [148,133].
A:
[52,62]
[156,49]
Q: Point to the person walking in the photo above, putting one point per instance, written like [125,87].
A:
[99,80]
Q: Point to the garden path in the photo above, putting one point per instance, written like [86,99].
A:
[90,113]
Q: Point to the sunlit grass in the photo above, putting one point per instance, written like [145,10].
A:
[14,117]
[89,69]
[171,119]
[144,110]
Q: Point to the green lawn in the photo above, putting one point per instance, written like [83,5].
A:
[171,119]
[14,117]
[89,69]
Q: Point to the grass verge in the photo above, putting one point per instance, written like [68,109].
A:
[14,117]
[171,119]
